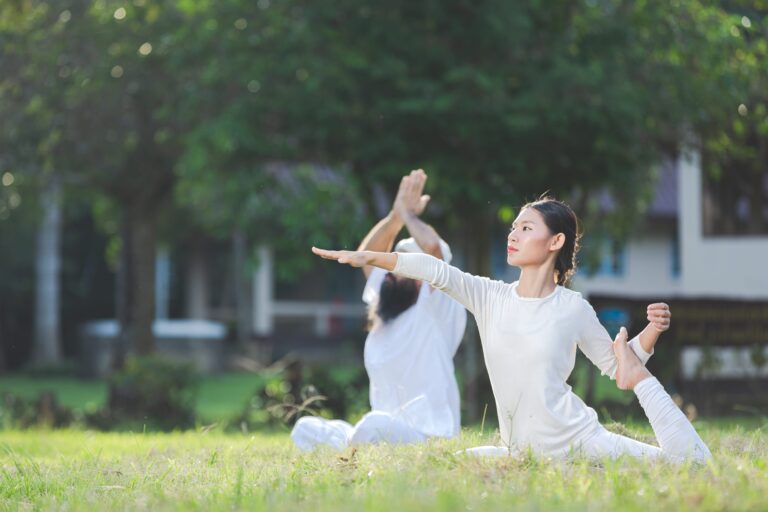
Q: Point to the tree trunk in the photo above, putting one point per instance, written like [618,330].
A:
[242,296]
[2,349]
[477,242]
[47,269]
[136,283]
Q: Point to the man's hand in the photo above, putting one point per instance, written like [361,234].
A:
[409,200]
[659,316]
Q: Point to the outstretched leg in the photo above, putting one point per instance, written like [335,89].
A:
[675,434]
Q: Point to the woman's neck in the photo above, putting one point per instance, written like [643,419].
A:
[536,282]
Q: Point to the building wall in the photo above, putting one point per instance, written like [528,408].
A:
[728,267]
[710,267]
[647,270]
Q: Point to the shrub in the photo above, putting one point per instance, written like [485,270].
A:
[150,393]
[299,390]
[45,411]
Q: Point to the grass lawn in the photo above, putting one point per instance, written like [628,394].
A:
[219,396]
[82,470]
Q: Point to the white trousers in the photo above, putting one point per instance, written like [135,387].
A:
[375,427]
[678,440]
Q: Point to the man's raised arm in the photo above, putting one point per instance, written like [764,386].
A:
[381,237]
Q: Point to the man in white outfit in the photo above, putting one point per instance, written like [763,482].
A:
[415,332]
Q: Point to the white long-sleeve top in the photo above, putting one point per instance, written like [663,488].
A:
[529,346]
[409,361]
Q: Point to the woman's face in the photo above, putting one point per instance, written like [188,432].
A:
[530,242]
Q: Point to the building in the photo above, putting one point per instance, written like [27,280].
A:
[713,279]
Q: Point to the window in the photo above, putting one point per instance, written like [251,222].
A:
[735,203]
[613,256]
[603,258]
[675,257]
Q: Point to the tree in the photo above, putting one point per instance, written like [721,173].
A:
[734,144]
[96,75]
[28,118]
[499,101]
[242,170]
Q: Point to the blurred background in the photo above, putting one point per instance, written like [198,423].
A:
[165,166]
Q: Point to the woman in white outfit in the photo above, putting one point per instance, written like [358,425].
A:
[530,330]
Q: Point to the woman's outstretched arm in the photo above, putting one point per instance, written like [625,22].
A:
[471,291]
[385,260]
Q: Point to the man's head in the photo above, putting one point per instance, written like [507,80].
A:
[396,295]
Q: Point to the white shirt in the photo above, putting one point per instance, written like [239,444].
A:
[409,360]
[529,346]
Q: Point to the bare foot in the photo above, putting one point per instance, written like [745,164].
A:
[630,370]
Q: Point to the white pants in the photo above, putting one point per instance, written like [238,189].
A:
[375,427]
[677,438]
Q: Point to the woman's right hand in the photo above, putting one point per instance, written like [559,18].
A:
[385,260]
[352,258]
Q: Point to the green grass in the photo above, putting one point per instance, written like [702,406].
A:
[219,396]
[81,470]
[70,392]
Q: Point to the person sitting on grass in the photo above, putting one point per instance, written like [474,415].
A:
[530,330]
[414,333]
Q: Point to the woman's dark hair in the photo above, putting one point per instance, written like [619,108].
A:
[395,296]
[559,218]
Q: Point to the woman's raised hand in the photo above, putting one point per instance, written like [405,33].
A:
[409,199]
[659,316]
[353,258]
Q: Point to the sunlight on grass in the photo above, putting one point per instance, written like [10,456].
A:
[80,470]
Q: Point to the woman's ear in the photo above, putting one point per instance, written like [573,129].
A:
[558,241]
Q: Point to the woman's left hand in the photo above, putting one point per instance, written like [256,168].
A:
[659,316]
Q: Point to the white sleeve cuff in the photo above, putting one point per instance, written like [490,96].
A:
[638,350]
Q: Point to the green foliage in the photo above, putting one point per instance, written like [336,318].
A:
[330,391]
[498,100]
[290,207]
[735,141]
